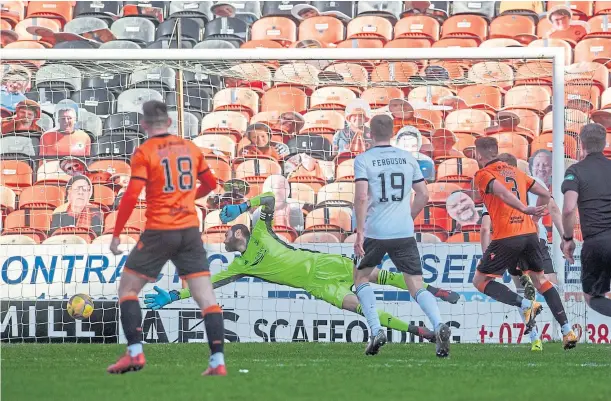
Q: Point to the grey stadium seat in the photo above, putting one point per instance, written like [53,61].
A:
[191,9]
[20,146]
[388,9]
[120,44]
[89,123]
[190,124]
[154,77]
[58,76]
[135,29]
[482,8]
[132,99]
[85,24]
[215,44]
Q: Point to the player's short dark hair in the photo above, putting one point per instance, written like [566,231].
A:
[487,147]
[593,137]
[243,229]
[509,159]
[381,127]
[155,113]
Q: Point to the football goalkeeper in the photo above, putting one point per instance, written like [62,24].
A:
[265,256]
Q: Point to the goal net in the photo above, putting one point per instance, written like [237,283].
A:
[291,122]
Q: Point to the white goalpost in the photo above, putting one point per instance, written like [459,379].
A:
[37,277]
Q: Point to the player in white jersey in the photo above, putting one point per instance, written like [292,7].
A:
[384,176]
[522,282]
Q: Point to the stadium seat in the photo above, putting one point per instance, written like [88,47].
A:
[317,238]
[134,29]
[514,144]
[495,73]
[468,121]
[112,166]
[106,10]
[390,10]
[132,100]
[42,197]
[279,29]
[255,171]
[353,74]
[568,50]
[545,141]
[50,173]
[230,123]
[15,174]
[380,97]
[32,223]
[345,171]
[404,43]
[134,226]
[469,236]
[454,42]
[219,143]
[423,96]
[370,27]
[518,27]
[427,238]
[284,98]
[13,12]
[258,44]
[7,200]
[574,120]
[395,72]
[237,99]
[303,193]
[420,27]
[459,171]
[484,97]
[439,192]
[336,194]
[65,239]
[593,49]
[434,220]
[355,43]
[114,145]
[599,27]
[297,75]
[333,220]
[213,223]
[232,30]
[60,10]
[47,24]
[255,76]
[104,197]
[325,29]
[465,26]
[322,122]
[530,8]
[529,97]
[331,98]
[17,239]
[587,73]
[483,8]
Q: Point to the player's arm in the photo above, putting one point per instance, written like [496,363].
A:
[554,211]
[543,195]
[485,231]
[361,193]
[420,199]
[267,200]
[570,189]
[207,179]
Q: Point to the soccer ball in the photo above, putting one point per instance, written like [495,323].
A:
[80,306]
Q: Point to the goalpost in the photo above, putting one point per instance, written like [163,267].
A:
[37,279]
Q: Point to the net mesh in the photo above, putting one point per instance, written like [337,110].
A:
[86,113]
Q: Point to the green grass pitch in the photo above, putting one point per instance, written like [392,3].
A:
[309,371]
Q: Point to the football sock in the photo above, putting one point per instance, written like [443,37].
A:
[428,303]
[526,303]
[554,303]
[601,305]
[216,360]
[368,301]
[389,278]
[134,349]
[213,319]
[503,294]
[131,320]
[534,332]
[390,321]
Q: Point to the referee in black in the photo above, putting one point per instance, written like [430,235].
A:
[587,186]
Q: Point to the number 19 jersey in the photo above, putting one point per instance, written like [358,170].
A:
[390,173]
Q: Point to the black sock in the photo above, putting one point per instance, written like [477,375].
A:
[213,319]
[601,305]
[502,293]
[555,305]
[131,320]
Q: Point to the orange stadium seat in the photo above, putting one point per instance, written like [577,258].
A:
[345,171]
[580,9]
[42,197]
[593,49]
[60,10]
[112,166]
[534,73]
[331,98]
[134,226]
[317,237]
[49,24]
[355,43]
[588,73]
[518,27]
[427,238]
[314,182]
[582,96]
[15,174]
[439,192]
[529,97]
[599,27]
[499,42]
[574,120]
[336,194]
[334,220]
[261,44]
[104,197]
[428,95]
[303,193]
[370,27]
[219,143]
[32,223]
[568,50]
[325,29]
[66,239]
[298,75]
[284,98]
[420,27]
[459,171]
[213,223]
[469,236]
[468,121]
[12,12]
[7,200]
[237,99]
[529,120]
[351,239]
[465,26]
[231,123]
[487,98]
[495,73]
[530,8]
[408,43]
[513,144]
[457,42]
[323,122]
[379,97]
[395,72]
[434,220]
[544,141]
[602,7]
[354,75]
[255,171]
[605,99]
[279,29]
[219,166]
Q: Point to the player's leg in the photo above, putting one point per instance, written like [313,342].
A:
[374,252]
[192,265]
[385,277]
[143,265]
[405,255]
[596,275]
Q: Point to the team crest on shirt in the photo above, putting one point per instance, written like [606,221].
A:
[569,177]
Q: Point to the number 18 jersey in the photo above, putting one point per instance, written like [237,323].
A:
[390,173]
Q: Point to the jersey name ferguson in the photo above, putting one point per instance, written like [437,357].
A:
[390,173]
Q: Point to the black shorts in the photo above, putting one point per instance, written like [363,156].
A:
[156,247]
[402,251]
[506,253]
[548,265]
[596,265]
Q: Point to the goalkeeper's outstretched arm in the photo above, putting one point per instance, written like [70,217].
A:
[232,212]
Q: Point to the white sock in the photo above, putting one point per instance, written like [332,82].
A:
[134,349]
[534,334]
[566,328]
[216,359]
[428,303]
[526,303]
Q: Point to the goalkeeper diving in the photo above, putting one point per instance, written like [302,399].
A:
[328,277]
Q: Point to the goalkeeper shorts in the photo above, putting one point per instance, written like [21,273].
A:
[332,279]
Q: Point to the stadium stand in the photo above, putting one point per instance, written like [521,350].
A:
[52,116]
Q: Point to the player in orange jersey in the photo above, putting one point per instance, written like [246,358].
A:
[504,190]
[168,166]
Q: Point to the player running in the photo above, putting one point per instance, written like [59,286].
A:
[263,255]
[523,282]
[504,190]
[168,167]
[384,177]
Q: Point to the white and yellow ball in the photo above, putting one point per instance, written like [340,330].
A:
[80,306]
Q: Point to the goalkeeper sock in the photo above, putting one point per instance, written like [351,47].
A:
[555,305]
[213,319]
[428,303]
[503,294]
[368,301]
[389,278]
[601,305]
[395,323]
[131,320]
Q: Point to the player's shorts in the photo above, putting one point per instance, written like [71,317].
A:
[596,265]
[156,247]
[402,251]
[505,253]
[332,279]
[548,265]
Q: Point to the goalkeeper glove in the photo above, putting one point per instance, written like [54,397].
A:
[161,299]
[232,212]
